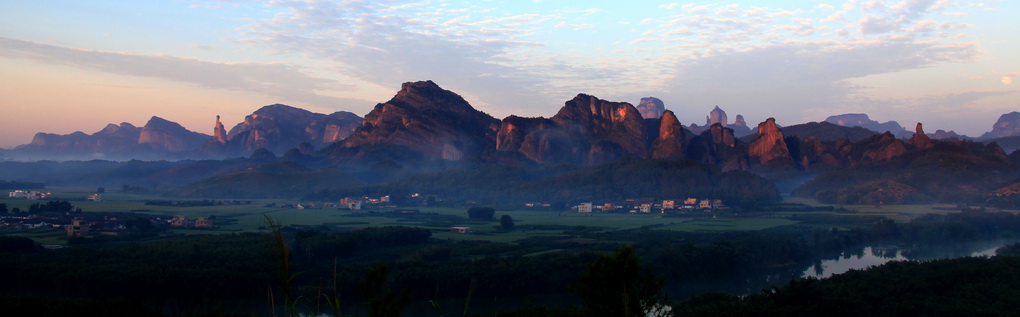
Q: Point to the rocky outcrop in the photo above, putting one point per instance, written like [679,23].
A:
[609,127]
[671,141]
[717,115]
[814,154]
[586,131]
[739,121]
[862,120]
[1007,125]
[340,125]
[718,146]
[740,128]
[651,108]
[279,128]
[160,134]
[881,147]
[219,133]
[426,121]
[920,140]
[540,140]
[769,145]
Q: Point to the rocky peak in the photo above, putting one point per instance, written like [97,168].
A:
[651,108]
[740,121]
[920,140]
[219,133]
[740,128]
[123,129]
[769,145]
[279,128]
[1007,125]
[882,147]
[428,95]
[717,146]
[340,125]
[671,141]
[159,133]
[722,136]
[716,116]
[616,122]
[427,120]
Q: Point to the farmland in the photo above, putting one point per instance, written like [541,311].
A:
[250,216]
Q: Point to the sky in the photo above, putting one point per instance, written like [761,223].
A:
[69,65]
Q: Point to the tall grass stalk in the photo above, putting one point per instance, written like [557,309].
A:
[282,254]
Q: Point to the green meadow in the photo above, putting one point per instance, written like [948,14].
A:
[529,223]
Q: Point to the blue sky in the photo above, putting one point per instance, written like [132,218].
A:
[77,65]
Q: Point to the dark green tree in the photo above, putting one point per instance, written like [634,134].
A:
[616,285]
[3,208]
[506,222]
[481,213]
[381,300]
[17,244]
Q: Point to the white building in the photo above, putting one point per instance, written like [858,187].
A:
[645,208]
[26,194]
[584,207]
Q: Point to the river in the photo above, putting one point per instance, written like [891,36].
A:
[870,256]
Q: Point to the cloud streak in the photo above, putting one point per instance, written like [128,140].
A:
[273,79]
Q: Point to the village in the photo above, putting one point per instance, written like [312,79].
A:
[648,205]
[58,213]
[61,214]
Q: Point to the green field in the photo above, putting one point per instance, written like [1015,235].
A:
[251,217]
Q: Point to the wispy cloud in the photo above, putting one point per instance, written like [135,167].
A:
[387,45]
[274,79]
[690,54]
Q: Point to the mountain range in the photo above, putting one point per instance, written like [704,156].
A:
[436,123]
[425,128]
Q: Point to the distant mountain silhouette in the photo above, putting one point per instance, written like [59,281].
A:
[162,135]
[157,139]
[1007,125]
[862,120]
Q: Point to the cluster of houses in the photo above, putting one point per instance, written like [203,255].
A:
[647,206]
[29,194]
[357,203]
[198,223]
